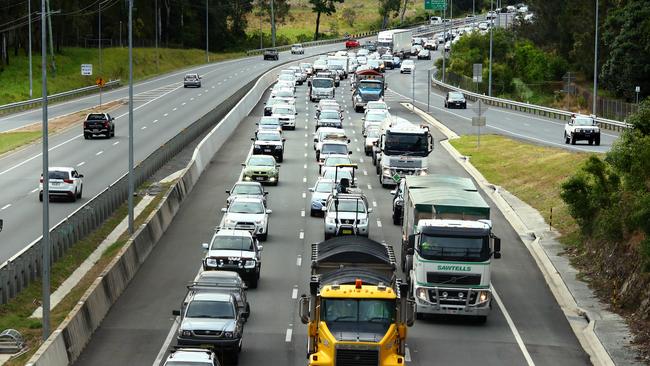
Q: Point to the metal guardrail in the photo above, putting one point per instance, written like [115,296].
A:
[32,103]
[526,107]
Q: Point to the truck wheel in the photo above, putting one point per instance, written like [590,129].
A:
[573,139]
[597,140]
[86,136]
[280,158]
[396,220]
[378,169]
[253,283]
[313,213]
[566,138]
[74,196]
[40,197]
[591,141]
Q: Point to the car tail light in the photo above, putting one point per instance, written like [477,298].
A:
[69,181]
[85,124]
[105,124]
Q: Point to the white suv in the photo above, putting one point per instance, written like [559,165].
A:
[63,181]
[581,127]
[346,214]
[192,356]
[297,49]
[287,115]
[248,214]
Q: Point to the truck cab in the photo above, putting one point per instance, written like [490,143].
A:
[368,86]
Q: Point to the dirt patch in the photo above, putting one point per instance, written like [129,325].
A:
[61,123]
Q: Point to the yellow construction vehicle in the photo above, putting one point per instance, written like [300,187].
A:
[358,311]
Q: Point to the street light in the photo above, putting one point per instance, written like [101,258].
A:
[207,33]
[45,242]
[593,107]
[273,25]
[490,64]
[29,20]
[131,178]
[637,90]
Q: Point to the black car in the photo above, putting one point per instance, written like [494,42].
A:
[99,124]
[267,142]
[271,54]
[455,100]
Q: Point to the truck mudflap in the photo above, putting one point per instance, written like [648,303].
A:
[452,300]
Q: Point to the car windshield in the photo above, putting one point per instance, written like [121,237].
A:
[324,187]
[96,117]
[320,63]
[397,143]
[332,136]
[263,136]
[583,121]
[188,363]
[334,149]
[261,161]
[456,96]
[334,161]
[269,122]
[248,189]
[231,243]
[286,77]
[378,117]
[473,249]
[246,207]
[368,84]
[58,174]
[210,309]
[352,317]
[305,66]
[408,63]
[322,83]
[373,133]
[282,110]
[330,173]
[348,206]
[376,105]
[284,93]
[329,115]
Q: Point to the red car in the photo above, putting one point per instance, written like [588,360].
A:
[352,43]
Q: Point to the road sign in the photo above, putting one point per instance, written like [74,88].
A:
[478,121]
[480,107]
[86,69]
[477,74]
[100,82]
[637,89]
[396,178]
[435,4]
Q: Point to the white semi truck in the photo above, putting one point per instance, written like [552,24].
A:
[395,41]
[448,245]
[402,150]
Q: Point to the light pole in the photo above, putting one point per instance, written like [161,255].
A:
[100,42]
[444,45]
[131,178]
[593,107]
[156,32]
[207,33]
[29,20]
[272,25]
[637,90]
[490,64]
[45,242]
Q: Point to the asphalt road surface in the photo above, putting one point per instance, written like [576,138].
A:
[162,108]
[526,327]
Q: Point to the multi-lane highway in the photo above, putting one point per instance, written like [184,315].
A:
[162,109]
[526,327]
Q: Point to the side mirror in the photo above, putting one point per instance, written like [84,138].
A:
[260,247]
[283,139]
[81,175]
[176,312]
[369,209]
[316,139]
[349,152]
[223,209]
[245,314]
[205,245]
[296,113]
[324,209]
[393,192]
[311,189]
[269,211]
[411,244]
[243,164]
[497,248]
[252,138]
[303,309]
[348,141]
[228,191]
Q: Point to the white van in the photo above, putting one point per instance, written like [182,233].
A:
[435,20]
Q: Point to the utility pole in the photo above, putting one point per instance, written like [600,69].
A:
[261,34]
[272,24]
[593,107]
[131,178]
[490,65]
[100,45]
[444,45]
[473,7]
[29,20]
[120,34]
[45,242]
[207,33]
[49,23]
[156,36]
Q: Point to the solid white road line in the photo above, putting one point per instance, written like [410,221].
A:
[166,343]
[374,203]
[513,328]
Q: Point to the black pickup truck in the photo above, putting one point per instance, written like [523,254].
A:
[271,54]
[99,124]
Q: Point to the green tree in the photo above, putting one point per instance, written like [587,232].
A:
[349,15]
[386,8]
[322,6]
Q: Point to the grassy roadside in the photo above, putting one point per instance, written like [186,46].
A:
[15,77]
[14,140]
[531,172]
[16,313]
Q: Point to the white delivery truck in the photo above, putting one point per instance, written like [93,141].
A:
[395,41]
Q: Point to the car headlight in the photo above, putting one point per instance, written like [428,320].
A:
[272,179]
[186,333]
[259,222]
[211,262]
[358,97]
[277,147]
[483,296]
[250,263]
[330,220]
[423,172]
[363,221]
[230,222]
[421,293]
[386,171]
[228,334]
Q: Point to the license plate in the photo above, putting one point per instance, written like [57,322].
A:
[95,130]
[267,150]
[56,184]
[259,178]
[346,231]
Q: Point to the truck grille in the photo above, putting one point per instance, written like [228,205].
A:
[357,357]
[207,333]
[245,226]
[451,279]
[454,297]
[347,221]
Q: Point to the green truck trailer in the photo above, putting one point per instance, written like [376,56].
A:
[447,246]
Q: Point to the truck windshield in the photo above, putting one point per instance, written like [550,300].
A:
[354,316]
[348,206]
[372,85]
[384,44]
[210,309]
[406,143]
[322,83]
[454,248]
